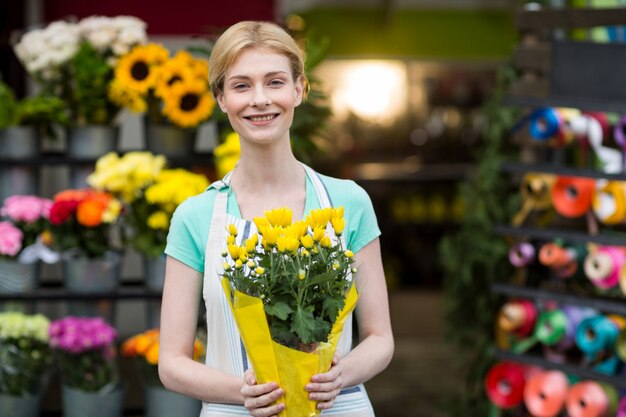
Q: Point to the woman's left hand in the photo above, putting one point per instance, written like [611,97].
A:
[325,387]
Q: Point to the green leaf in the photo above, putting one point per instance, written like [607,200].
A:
[279,309]
[304,324]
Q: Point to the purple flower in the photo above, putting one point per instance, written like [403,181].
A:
[10,239]
[26,208]
[81,334]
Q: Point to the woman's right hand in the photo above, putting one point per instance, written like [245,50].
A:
[258,399]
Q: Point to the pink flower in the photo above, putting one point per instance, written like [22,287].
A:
[81,334]
[26,208]
[10,239]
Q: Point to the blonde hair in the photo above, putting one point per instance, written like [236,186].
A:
[251,34]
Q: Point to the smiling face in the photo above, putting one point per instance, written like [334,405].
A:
[260,95]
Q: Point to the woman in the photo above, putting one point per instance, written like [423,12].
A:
[257,76]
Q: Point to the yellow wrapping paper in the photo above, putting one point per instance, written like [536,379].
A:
[273,362]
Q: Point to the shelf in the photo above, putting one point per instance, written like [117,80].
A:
[569,236]
[520,168]
[61,159]
[583,103]
[572,18]
[386,172]
[617,381]
[57,292]
[606,305]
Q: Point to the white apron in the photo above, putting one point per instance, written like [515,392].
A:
[225,350]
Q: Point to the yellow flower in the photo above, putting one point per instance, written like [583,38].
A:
[349,253]
[305,252]
[176,69]
[226,266]
[319,217]
[297,229]
[319,233]
[287,244]
[138,69]
[301,274]
[338,224]
[307,241]
[251,242]
[325,242]
[133,100]
[159,221]
[230,240]
[261,224]
[233,251]
[238,264]
[270,237]
[251,264]
[188,103]
[337,212]
[232,229]
[259,270]
[279,216]
[243,254]
[227,154]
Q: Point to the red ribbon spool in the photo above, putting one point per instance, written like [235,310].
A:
[572,196]
[545,393]
[505,383]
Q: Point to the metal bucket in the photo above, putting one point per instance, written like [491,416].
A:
[79,403]
[92,141]
[169,140]
[163,403]
[16,277]
[19,142]
[14,406]
[86,275]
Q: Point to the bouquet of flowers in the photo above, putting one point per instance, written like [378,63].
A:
[150,193]
[84,221]
[290,290]
[75,61]
[24,353]
[171,90]
[144,347]
[85,351]
[25,227]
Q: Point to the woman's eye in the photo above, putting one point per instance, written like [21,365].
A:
[276,82]
[239,86]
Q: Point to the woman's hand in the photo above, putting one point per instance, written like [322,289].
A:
[325,387]
[258,399]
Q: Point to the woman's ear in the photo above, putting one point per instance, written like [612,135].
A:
[220,102]
[300,86]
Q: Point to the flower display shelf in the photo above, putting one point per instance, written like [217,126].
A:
[618,382]
[56,292]
[521,168]
[205,158]
[616,239]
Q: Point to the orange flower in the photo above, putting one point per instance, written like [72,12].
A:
[89,213]
[152,355]
[129,347]
[71,195]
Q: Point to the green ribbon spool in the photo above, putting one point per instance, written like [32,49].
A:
[620,345]
[551,327]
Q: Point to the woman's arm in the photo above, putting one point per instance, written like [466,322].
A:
[375,349]
[179,315]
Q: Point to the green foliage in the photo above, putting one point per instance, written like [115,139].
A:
[8,105]
[89,371]
[474,257]
[91,76]
[92,241]
[23,362]
[142,237]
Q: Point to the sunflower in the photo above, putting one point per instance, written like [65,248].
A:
[131,99]
[183,67]
[138,69]
[188,103]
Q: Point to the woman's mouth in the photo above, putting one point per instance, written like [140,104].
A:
[262,118]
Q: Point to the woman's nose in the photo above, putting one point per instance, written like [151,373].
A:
[260,98]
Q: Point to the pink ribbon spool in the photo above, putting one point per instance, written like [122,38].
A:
[545,393]
[621,408]
[587,399]
[518,317]
[522,254]
[603,266]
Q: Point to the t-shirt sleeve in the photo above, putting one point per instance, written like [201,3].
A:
[183,239]
[362,222]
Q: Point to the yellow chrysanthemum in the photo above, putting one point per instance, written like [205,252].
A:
[138,70]
[319,218]
[337,212]
[233,251]
[297,229]
[338,224]
[261,224]
[232,230]
[287,244]
[251,242]
[227,154]
[158,221]
[279,216]
[307,241]
[270,237]
[319,233]
[112,211]
[188,103]
[173,186]
[325,242]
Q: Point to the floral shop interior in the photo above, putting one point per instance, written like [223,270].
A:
[489,136]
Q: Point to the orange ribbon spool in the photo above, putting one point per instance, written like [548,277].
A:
[545,393]
[572,196]
[588,399]
[561,260]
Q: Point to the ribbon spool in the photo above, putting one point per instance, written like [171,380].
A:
[619,132]
[565,134]
[505,383]
[550,329]
[594,126]
[536,190]
[544,124]
[609,202]
[562,261]
[603,266]
[545,393]
[596,334]
[571,196]
[522,254]
[575,315]
[622,279]
[590,399]
[517,317]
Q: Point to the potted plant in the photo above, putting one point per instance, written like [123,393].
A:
[172,91]
[24,222]
[24,360]
[75,61]
[85,353]
[160,402]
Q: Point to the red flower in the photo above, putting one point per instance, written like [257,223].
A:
[62,210]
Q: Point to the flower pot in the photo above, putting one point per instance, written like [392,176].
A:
[91,276]
[17,277]
[24,406]
[154,272]
[89,142]
[169,140]
[18,179]
[164,403]
[19,142]
[79,403]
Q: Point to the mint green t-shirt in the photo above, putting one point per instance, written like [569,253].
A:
[189,230]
